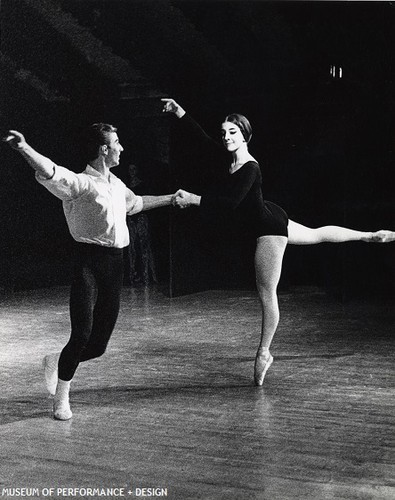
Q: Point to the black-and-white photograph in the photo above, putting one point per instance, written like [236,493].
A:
[197,262]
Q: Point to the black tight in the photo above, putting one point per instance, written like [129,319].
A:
[94,305]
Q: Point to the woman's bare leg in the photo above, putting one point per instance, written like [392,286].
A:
[302,235]
[268,263]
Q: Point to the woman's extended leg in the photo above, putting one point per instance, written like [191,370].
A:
[302,235]
[268,263]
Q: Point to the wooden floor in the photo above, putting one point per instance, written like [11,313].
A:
[172,407]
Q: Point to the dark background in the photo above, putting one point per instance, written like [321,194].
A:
[325,144]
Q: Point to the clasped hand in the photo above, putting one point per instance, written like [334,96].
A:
[182,199]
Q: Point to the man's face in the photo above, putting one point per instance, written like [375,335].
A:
[113,149]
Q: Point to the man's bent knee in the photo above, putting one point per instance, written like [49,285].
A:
[93,352]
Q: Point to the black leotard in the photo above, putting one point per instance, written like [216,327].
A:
[236,204]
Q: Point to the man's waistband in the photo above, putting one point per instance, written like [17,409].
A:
[91,248]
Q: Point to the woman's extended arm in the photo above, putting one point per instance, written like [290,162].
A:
[220,200]
[171,106]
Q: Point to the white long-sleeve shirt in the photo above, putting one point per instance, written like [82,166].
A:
[95,205]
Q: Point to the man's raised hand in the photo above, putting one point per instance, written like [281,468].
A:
[15,139]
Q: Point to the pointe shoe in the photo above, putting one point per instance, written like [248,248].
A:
[62,410]
[262,364]
[50,366]
[382,236]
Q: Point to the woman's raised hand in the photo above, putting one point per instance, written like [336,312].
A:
[170,106]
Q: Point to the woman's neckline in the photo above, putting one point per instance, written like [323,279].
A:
[241,166]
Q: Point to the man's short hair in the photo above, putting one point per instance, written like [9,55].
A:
[96,136]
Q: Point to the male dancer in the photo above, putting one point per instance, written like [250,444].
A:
[95,204]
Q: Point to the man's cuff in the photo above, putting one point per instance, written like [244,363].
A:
[137,207]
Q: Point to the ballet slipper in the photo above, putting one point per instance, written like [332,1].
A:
[50,366]
[263,362]
[62,410]
[61,405]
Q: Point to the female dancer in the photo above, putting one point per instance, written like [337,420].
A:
[239,201]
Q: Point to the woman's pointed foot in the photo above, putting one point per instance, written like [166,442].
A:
[263,362]
[382,236]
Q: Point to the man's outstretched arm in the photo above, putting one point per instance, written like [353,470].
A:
[136,203]
[41,164]
[150,202]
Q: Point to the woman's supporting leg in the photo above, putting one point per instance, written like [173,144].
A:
[268,264]
[302,235]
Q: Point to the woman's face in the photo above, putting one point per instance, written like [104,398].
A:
[231,136]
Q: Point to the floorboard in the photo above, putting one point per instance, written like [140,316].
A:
[172,403]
